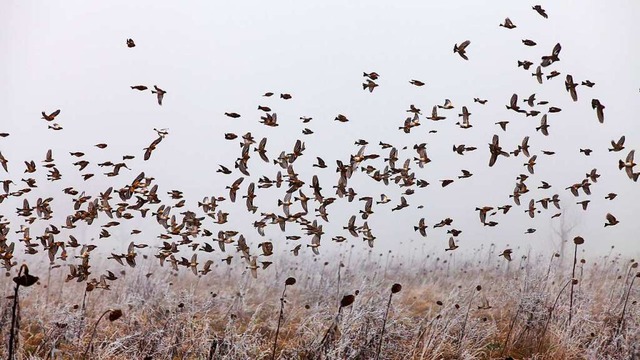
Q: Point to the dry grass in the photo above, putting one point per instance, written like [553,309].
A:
[228,315]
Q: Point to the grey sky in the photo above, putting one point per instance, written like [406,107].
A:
[216,57]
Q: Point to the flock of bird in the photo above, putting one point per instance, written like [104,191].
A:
[304,202]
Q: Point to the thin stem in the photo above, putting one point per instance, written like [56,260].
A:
[384,322]
[466,317]
[624,308]
[93,334]
[14,318]
[573,276]
[544,330]
[280,316]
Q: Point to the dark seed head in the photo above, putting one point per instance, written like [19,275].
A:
[290,281]
[347,300]
[25,279]
[396,288]
[115,315]
[478,287]
[578,240]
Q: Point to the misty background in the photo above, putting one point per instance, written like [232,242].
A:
[213,58]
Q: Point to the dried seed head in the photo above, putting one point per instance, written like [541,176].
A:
[634,265]
[556,254]
[574,281]
[457,306]
[308,307]
[347,300]
[290,281]
[638,274]
[578,240]
[582,261]
[115,315]
[25,279]
[478,287]
[396,288]
[439,303]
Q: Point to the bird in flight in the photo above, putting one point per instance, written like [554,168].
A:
[159,93]
[461,49]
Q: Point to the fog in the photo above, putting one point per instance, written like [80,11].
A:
[217,57]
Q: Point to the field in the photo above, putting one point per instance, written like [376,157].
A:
[319,180]
[479,308]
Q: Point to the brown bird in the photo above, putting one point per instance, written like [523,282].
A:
[51,116]
[372,75]
[369,85]
[4,162]
[235,186]
[507,254]
[508,24]
[159,94]
[570,86]
[548,60]
[465,118]
[628,165]
[544,126]
[480,101]
[538,74]
[611,196]
[503,125]
[341,118]
[421,228]
[461,49]
[595,104]
[611,220]
[416,83]
[584,204]
[496,150]
[529,42]
[452,245]
[130,43]
[232,115]
[434,115]
[540,11]
[139,87]
[285,96]
[446,182]
[152,146]
[531,163]
[617,146]
[526,64]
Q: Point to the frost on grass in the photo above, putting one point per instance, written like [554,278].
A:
[441,313]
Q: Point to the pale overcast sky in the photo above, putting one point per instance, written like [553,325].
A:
[215,57]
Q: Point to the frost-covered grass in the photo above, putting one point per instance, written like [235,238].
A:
[227,314]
